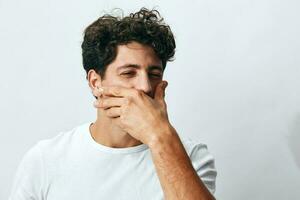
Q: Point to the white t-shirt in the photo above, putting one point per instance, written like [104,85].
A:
[72,166]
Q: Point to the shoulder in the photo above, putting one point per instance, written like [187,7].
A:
[31,177]
[54,144]
[198,153]
[54,149]
[62,140]
[203,162]
[193,146]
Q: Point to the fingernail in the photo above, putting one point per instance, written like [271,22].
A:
[95,103]
[100,89]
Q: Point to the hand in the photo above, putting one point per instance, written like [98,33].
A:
[141,116]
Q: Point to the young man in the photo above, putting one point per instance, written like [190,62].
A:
[131,151]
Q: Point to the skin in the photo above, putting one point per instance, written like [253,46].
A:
[143,79]
[125,101]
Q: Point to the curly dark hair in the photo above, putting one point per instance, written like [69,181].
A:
[103,35]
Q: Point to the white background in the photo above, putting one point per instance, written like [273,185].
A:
[234,85]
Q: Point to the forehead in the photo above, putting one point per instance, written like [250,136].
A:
[136,54]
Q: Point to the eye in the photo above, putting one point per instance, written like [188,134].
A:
[132,73]
[128,73]
[156,75]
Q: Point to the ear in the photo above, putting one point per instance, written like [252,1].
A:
[160,91]
[94,81]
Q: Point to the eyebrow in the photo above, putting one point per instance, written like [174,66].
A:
[151,67]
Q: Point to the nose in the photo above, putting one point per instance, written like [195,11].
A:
[144,84]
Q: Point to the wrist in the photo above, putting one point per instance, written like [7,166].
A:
[162,136]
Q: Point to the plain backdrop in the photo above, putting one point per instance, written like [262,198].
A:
[234,84]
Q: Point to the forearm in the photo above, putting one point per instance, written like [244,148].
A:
[177,176]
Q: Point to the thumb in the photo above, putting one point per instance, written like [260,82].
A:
[160,90]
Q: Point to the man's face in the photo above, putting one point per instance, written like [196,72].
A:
[135,66]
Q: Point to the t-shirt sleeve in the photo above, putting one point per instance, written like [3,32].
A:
[29,177]
[204,164]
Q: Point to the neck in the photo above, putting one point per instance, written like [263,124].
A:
[105,131]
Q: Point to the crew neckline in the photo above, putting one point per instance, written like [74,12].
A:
[107,149]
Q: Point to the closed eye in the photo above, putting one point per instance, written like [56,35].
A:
[129,73]
[156,75]
[133,73]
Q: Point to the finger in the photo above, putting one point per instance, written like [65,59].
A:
[117,91]
[106,103]
[97,91]
[98,101]
[113,112]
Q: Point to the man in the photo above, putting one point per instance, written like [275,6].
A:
[131,151]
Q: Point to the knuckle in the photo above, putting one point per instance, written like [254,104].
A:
[117,91]
[135,93]
[138,93]
[122,118]
[110,112]
[128,100]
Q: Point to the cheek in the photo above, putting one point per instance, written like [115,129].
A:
[118,81]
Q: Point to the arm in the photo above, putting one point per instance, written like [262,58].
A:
[177,176]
